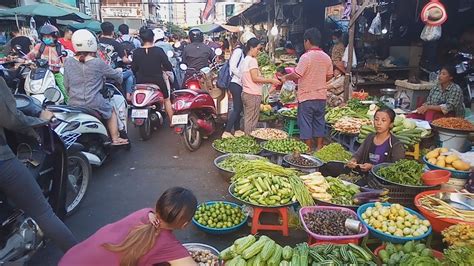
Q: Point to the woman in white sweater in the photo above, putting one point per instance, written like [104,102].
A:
[235,87]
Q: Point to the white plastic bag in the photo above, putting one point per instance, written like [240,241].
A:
[376,25]
[431,33]
[288,92]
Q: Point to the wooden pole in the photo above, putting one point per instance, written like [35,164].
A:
[350,50]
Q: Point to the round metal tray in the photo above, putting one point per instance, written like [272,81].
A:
[221,158]
[231,192]
[262,145]
[200,246]
[352,207]
[382,179]
[451,130]
[261,139]
[318,163]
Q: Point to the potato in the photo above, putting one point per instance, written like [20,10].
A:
[432,160]
[451,158]
[443,150]
[440,163]
[441,158]
[460,165]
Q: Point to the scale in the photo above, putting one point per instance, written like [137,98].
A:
[388,97]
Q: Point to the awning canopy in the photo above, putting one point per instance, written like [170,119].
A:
[45,10]
[256,13]
[92,25]
[210,28]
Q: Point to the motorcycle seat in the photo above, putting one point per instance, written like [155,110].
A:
[76,109]
[147,86]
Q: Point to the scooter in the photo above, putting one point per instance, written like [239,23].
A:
[89,124]
[198,107]
[39,78]
[148,106]
[465,72]
[48,161]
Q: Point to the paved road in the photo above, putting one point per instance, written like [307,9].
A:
[133,180]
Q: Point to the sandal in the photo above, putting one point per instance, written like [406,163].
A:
[119,141]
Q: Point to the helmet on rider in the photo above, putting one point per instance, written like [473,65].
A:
[49,34]
[196,35]
[84,41]
[246,36]
[159,35]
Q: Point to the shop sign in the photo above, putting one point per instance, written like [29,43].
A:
[121,12]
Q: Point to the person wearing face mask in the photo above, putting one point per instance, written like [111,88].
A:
[379,147]
[337,50]
[50,49]
[144,237]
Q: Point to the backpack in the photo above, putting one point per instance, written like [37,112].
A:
[43,46]
[225,77]
[127,45]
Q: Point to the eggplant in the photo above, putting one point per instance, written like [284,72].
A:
[380,192]
[362,200]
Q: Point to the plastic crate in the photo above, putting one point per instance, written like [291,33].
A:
[397,194]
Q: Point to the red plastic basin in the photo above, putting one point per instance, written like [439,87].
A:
[436,177]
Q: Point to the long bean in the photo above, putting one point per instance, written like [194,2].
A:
[444,210]
[302,194]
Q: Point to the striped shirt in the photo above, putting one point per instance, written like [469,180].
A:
[313,69]
[451,99]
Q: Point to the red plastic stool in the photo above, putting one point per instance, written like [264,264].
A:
[282,212]
[313,241]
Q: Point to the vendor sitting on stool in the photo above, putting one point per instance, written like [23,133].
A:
[379,147]
[445,99]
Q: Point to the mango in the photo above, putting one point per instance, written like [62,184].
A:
[432,154]
[460,165]
[451,158]
[441,158]
[440,163]
[432,160]
[442,150]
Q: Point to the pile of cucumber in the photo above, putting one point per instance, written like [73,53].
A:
[408,137]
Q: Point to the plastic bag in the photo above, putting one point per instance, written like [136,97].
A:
[431,33]
[376,25]
[288,92]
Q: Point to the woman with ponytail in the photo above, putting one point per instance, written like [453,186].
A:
[143,238]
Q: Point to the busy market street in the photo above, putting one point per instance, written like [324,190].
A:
[237,133]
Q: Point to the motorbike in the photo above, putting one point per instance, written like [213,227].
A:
[91,126]
[50,159]
[148,106]
[199,106]
[38,77]
[465,72]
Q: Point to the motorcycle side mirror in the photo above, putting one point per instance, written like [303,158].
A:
[206,70]
[218,51]
[42,62]
[170,54]
[52,94]
[183,67]
[64,53]
[177,45]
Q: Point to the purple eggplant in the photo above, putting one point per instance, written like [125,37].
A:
[360,201]
[379,192]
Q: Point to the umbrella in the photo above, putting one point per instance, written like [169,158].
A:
[44,10]
[209,28]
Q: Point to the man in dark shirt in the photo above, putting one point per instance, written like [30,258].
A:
[17,39]
[196,55]
[108,41]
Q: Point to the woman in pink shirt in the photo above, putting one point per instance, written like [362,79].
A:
[143,238]
[252,82]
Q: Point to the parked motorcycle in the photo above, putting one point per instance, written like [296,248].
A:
[48,160]
[91,127]
[465,72]
[199,106]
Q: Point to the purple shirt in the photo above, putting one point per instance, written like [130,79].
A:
[91,253]
[379,153]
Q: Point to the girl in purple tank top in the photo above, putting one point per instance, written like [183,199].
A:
[143,238]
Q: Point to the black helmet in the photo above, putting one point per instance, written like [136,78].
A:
[49,29]
[196,35]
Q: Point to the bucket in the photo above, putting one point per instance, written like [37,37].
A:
[450,140]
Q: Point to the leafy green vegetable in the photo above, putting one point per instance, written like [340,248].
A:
[286,146]
[263,59]
[460,256]
[333,152]
[406,172]
[233,161]
[244,144]
[341,193]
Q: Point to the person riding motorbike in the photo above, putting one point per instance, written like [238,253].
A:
[50,49]
[159,41]
[107,39]
[148,65]
[84,76]
[17,182]
[196,55]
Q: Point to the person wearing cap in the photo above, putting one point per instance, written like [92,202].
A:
[314,69]
[335,86]
[235,87]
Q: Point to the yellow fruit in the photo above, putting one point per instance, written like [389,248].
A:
[451,158]
[432,160]
[432,154]
[440,163]
[450,168]
[460,165]
[441,158]
[443,150]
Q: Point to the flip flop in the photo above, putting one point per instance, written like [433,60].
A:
[119,142]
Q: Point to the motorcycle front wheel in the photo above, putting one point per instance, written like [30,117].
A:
[79,175]
[192,136]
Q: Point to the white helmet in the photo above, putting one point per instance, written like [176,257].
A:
[246,36]
[84,41]
[159,34]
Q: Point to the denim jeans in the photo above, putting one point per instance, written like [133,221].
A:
[128,81]
[234,118]
[21,189]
